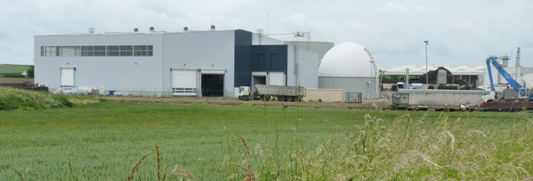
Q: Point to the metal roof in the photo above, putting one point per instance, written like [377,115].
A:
[421,69]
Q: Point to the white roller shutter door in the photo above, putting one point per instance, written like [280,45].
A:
[184,83]
[67,77]
[276,78]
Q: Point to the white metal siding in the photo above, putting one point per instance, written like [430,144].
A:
[67,77]
[276,78]
[184,83]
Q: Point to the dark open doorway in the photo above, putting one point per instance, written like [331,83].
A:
[259,80]
[212,85]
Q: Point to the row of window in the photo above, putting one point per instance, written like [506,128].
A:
[122,50]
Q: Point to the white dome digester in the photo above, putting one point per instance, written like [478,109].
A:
[346,59]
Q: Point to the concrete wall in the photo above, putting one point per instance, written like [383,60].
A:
[364,85]
[302,67]
[119,73]
[325,95]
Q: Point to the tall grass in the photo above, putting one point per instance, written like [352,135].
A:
[11,98]
[436,146]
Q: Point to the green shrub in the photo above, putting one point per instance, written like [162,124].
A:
[466,87]
[11,98]
[448,87]
[14,76]
[394,88]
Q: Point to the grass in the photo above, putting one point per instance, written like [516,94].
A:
[11,98]
[11,68]
[152,141]
[15,80]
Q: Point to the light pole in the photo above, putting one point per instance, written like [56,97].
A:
[427,74]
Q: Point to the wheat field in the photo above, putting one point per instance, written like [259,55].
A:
[172,141]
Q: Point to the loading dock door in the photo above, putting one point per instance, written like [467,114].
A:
[67,77]
[259,78]
[184,82]
[276,78]
[212,85]
[212,82]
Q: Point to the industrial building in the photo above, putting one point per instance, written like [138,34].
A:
[475,76]
[471,75]
[187,63]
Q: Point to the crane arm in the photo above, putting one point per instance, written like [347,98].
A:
[506,76]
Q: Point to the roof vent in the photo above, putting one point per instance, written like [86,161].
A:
[135,30]
[91,30]
[151,28]
[212,27]
[185,29]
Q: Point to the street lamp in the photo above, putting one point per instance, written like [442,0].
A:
[427,74]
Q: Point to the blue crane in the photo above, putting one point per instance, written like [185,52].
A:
[522,92]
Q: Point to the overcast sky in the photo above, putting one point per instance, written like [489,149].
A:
[460,32]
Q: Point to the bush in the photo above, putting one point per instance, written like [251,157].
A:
[14,76]
[449,87]
[466,87]
[394,88]
[431,87]
[11,98]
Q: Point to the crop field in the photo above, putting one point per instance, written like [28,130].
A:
[10,68]
[120,140]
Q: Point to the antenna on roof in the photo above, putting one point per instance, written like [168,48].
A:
[151,28]
[91,30]
[212,27]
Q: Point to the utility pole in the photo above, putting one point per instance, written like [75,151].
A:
[427,74]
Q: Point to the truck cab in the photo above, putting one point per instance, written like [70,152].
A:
[244,93]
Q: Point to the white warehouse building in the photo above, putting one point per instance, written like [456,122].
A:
[158,63]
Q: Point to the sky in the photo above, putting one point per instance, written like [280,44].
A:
[460,32]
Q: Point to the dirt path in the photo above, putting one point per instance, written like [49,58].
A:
[374,104]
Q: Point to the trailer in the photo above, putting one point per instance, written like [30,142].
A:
[267,92]
[437,99]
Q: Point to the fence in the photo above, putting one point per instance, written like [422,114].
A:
[353,97]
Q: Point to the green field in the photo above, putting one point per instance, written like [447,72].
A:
[105,140]
[10,68]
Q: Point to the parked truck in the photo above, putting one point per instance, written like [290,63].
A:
[267,92]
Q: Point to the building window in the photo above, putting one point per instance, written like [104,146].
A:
[87,51]
[113,50]
[143,50]
[126,50]
[123,50]
[99,51]
[69,51]
[49,51]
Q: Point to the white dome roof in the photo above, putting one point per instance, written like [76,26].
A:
[347,59]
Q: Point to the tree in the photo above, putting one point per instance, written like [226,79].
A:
[30,72]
